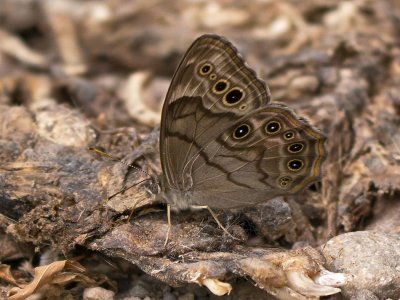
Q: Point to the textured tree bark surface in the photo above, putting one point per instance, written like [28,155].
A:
[75,75]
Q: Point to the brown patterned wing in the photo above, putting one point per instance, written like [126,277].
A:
[268,153]
[211,89]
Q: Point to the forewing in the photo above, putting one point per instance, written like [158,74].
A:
[211,89]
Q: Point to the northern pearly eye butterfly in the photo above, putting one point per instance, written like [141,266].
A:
[223,144]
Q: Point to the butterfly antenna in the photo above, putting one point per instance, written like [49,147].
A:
[114,158]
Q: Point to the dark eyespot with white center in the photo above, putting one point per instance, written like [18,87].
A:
[295,147]
[288,135]
[273,127]
[295,165]
[241,131]
[234,96]
[205,69]
[220,86]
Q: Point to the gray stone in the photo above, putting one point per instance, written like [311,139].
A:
[373,258]
[168,296]
[187,296]
[138,291]
[364,295]
[97,293]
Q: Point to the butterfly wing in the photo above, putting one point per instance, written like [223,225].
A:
[211,89]
[267,153]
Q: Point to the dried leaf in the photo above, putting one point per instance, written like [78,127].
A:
[5,274]
[15,47]
[133,94]
[66,278]
[47,275]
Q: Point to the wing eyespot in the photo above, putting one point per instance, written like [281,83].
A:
[288,135]
[273,127]
[295,165]
[295,147]
[220,86]
[213,76]
[205,69]
[234,96]
[284,182]
[241,131]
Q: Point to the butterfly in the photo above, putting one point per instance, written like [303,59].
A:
[223,143]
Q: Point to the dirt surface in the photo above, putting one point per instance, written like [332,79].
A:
[80,74]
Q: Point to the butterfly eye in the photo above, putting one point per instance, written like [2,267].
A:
[205,69]
[272,127]
[233,96]
[295,165]
[284,181]
[220,86]
[241,131]
[295,148]
[288,135]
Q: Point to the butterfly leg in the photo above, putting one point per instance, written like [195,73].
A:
[216,219]
[169,224]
